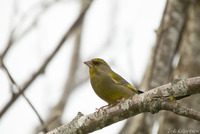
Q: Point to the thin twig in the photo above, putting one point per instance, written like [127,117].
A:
[20,91]
[46,62]
[70,83]
[12,39]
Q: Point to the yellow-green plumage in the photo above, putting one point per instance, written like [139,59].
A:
[107,84]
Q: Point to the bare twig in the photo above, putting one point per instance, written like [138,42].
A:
[151,101]
[70,83]
[59,107]
[12,39]
[46,62]
[20,91]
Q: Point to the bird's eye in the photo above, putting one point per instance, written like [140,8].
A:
[96,62]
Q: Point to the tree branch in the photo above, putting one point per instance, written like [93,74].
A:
[151,101]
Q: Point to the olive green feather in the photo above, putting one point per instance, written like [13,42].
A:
[107,84]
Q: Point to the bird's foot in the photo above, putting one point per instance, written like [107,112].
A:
[120,101]
[101,108]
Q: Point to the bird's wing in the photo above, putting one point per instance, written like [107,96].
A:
[119,80]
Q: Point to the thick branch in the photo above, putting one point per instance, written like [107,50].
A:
[151,101]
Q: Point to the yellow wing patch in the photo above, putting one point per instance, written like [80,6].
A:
[117,78]
[117,82]
[131,87]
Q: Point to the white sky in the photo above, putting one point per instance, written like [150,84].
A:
[119,31]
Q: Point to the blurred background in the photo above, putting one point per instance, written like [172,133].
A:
[43,44]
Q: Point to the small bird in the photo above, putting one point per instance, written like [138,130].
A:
[107,84]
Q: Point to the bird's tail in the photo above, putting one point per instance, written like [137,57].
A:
[140,92]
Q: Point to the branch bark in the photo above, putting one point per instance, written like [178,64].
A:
[153,101]
[159,69]
[188,66]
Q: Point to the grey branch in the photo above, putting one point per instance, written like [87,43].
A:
[160,98]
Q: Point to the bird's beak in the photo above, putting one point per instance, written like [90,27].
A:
[89,64]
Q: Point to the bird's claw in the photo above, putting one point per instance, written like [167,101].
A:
[120,101]
[101,108]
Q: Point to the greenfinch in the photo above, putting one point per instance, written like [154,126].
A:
[107,84]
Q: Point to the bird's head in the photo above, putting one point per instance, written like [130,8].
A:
[97,65]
